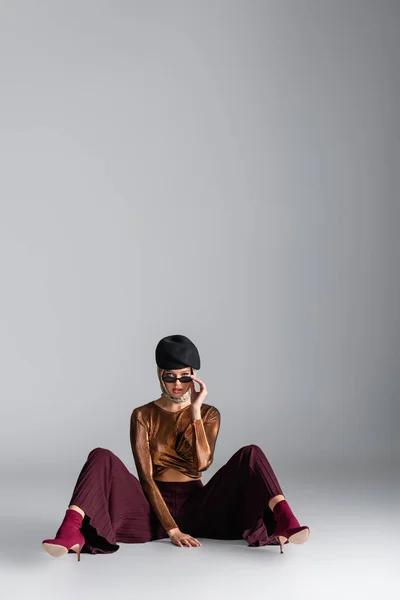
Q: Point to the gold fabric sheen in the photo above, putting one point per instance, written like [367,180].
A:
[161,440]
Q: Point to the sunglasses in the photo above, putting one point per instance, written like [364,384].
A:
[173,379]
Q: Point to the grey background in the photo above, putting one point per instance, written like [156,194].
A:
[225,170]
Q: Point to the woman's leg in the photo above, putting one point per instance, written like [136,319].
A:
[113,504]
[274,501]
[236,502]
[79,510]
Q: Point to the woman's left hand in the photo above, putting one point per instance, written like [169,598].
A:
[198,397]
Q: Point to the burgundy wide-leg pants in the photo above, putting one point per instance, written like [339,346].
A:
[233,504]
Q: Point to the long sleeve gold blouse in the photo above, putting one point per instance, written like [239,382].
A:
[161,440]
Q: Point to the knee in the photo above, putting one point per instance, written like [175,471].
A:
[251,448]
[252,453]
[100,453]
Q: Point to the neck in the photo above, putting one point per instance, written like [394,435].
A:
[172,399]
[173,405]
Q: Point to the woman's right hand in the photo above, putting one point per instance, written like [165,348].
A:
[182,539]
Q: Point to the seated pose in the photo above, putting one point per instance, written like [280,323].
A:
[173,441]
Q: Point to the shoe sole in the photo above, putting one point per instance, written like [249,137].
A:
[55,549]
[300,537]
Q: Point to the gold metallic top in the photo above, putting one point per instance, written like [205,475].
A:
[161,440]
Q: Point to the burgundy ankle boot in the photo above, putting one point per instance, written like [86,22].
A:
[288,528]
[68,536]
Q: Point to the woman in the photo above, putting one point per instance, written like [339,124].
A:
[173,440]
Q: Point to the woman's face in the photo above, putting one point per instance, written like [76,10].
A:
[178,388]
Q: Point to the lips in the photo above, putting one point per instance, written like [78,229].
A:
[176,391]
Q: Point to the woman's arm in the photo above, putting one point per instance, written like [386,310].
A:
[204,439]
[141,454]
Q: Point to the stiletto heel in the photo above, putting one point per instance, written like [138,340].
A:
[282,541]
[68,536]
[288,528]
[77,549]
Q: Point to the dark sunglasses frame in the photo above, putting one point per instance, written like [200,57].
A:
[173,379]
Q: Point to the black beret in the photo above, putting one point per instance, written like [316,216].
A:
[177,352]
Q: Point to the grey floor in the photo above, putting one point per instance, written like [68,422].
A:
[353,551]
